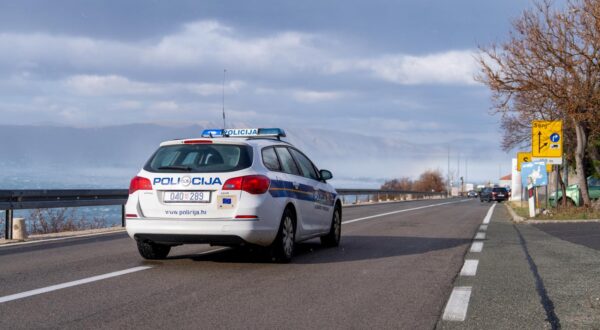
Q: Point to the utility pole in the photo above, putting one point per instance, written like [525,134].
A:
[448,184]
[458,170]
[466,170]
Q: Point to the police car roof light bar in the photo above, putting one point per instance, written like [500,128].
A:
[244,132]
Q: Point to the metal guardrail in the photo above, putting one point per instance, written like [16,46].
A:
[11,200]
[376,195]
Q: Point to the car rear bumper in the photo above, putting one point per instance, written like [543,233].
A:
[205,231]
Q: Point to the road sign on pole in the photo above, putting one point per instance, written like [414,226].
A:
[547,141]
[526,157]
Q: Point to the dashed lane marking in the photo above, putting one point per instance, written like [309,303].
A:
[456,309]
[483,227]
[488,216]
[71,284]
[477,247]
[56,287]
[469,268]
[480,236]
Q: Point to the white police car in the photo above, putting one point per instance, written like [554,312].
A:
[231,187]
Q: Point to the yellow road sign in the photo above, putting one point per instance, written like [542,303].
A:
[547,139]
[526,157]
[522,157]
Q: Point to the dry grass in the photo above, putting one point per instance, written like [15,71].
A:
[571,213]
[45,221]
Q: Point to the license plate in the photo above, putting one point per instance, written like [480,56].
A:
[187,196]
[500,195]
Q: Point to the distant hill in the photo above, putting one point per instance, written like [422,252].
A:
[362,159]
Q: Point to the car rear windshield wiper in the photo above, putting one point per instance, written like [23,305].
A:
[176,167]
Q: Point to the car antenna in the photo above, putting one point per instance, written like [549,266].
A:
[223,99]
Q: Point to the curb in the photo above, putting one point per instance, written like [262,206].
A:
[516,218]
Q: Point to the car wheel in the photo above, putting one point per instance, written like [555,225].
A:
[283,247]
[153,251]
[332,238]
[570,202]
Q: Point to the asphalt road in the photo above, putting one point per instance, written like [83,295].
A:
[391,271]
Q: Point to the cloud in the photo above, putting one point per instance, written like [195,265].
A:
[307,96]
[205,45]
[448,68]
[109,85]
[99,85]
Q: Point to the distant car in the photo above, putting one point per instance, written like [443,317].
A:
[493,194]
[574,194]
[472,194]
[231,187]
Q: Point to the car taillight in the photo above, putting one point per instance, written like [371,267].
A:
[254,184]
[139,183]
[494,193]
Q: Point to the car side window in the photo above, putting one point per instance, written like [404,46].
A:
[287,162]
[308,170]
[270,159]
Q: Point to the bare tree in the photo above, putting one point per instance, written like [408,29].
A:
[549,69]
[403,184]
[430,180]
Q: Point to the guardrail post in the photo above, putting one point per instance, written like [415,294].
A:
[123,215]
[8,224]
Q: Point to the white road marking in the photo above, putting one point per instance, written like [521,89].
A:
[480,236]
[477,247]
[488,216]
[483,227]
[71,284]
[456,309]
[469,268]
[399,211]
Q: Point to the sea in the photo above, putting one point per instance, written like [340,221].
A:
[57,177]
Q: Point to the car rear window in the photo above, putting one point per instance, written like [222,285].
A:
[502,190]
[200,158]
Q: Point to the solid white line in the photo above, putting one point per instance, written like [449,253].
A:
[480,236]
[477,247]
[488,216]
[483,227]
[399,211]
[70,284]
[456,309]
[469,268]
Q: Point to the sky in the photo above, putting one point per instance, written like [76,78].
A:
[399,71]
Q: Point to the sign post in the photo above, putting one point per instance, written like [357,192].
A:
[531,199]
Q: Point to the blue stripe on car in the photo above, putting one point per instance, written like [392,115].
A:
[281,188]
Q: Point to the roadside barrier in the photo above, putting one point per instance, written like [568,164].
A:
[11,200]
[358,196]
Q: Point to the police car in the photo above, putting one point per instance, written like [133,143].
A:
[231,187]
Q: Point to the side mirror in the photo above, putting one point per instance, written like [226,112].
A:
[325,175]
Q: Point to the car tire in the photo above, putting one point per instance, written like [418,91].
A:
[332,239]
[284,244]
[570,202]
[153,251]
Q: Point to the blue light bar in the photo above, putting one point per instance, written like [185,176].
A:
[212,132]
[244,132]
